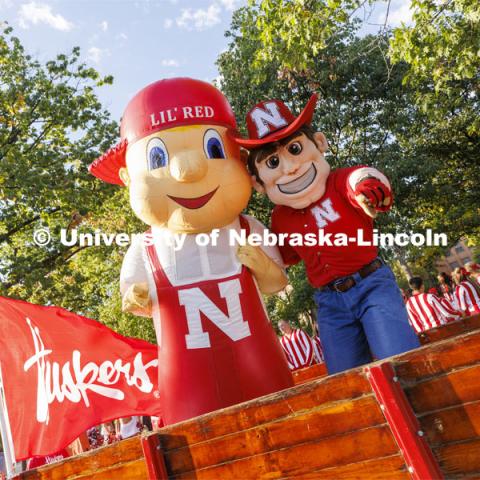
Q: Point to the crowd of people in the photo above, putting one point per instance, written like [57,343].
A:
[454,297]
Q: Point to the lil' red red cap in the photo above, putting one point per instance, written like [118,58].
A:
[162,105]
[271,120]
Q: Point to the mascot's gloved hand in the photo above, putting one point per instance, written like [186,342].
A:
[378,196]
[137,300]
[270,277]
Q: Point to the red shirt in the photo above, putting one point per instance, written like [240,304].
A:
[336,212]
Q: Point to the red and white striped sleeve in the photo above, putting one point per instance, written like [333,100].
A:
[449,304]
[307,346]
[286,350]
[461,298]
[472,299]
[414,316]
[318,349]
[445,310]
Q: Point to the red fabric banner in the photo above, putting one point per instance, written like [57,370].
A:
[64,373]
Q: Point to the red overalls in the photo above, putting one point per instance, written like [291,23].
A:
[201,368]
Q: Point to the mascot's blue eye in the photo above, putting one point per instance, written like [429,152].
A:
[213,145]
[158,159]
[157,155]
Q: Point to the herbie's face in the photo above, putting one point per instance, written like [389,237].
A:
[188,179]
[295,174]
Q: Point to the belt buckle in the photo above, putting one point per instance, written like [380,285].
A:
[339,282]
[336,288]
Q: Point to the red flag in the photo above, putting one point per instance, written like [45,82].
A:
[63,373]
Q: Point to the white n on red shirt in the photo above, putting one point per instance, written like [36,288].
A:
[298,348]
[426,311]
[467,298]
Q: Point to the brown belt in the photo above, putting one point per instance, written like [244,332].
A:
[346,283]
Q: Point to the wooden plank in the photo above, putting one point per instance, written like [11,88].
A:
[321,422]
[91,462]
[437,358]
[131,471]
[376,442]
[310,373]
[387,468]
[256,412]
[449,330]
[454,424]
[459,458]
[457,387]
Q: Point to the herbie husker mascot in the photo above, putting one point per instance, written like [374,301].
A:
[185,176]
[360,308]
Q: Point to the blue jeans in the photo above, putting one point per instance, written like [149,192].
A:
[368,320]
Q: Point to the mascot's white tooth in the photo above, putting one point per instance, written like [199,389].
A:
[300,183]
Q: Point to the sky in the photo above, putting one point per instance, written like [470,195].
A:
[139,41]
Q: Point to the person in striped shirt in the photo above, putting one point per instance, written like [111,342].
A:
[467,292]
[446,287]
[297,345]
[425,310]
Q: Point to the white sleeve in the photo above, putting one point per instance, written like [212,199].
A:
[271,251]
[363,172]
[133,266]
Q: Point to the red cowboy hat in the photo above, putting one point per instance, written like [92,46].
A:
[271,120]
[161,105]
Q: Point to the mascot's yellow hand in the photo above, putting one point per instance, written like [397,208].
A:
[136,300]
[270,277]
[252,257]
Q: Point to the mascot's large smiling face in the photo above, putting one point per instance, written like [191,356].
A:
[182,169]
[189,179]
[295,172]
[286,157]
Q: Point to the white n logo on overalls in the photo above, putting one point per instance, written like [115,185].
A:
[325,213]
[233,324]
[264,118]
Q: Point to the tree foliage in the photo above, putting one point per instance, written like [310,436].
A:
[369,113]
[291,33]
[442,46]
[52,126]
[442,49]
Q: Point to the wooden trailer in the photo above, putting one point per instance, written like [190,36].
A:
[415,415]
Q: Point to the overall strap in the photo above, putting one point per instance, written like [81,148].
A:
[158,274]
[244,224]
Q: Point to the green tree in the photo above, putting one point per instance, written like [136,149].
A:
[441,48]
[292,33]
[442,45]
[52,126]
[438,57]
[370,116]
